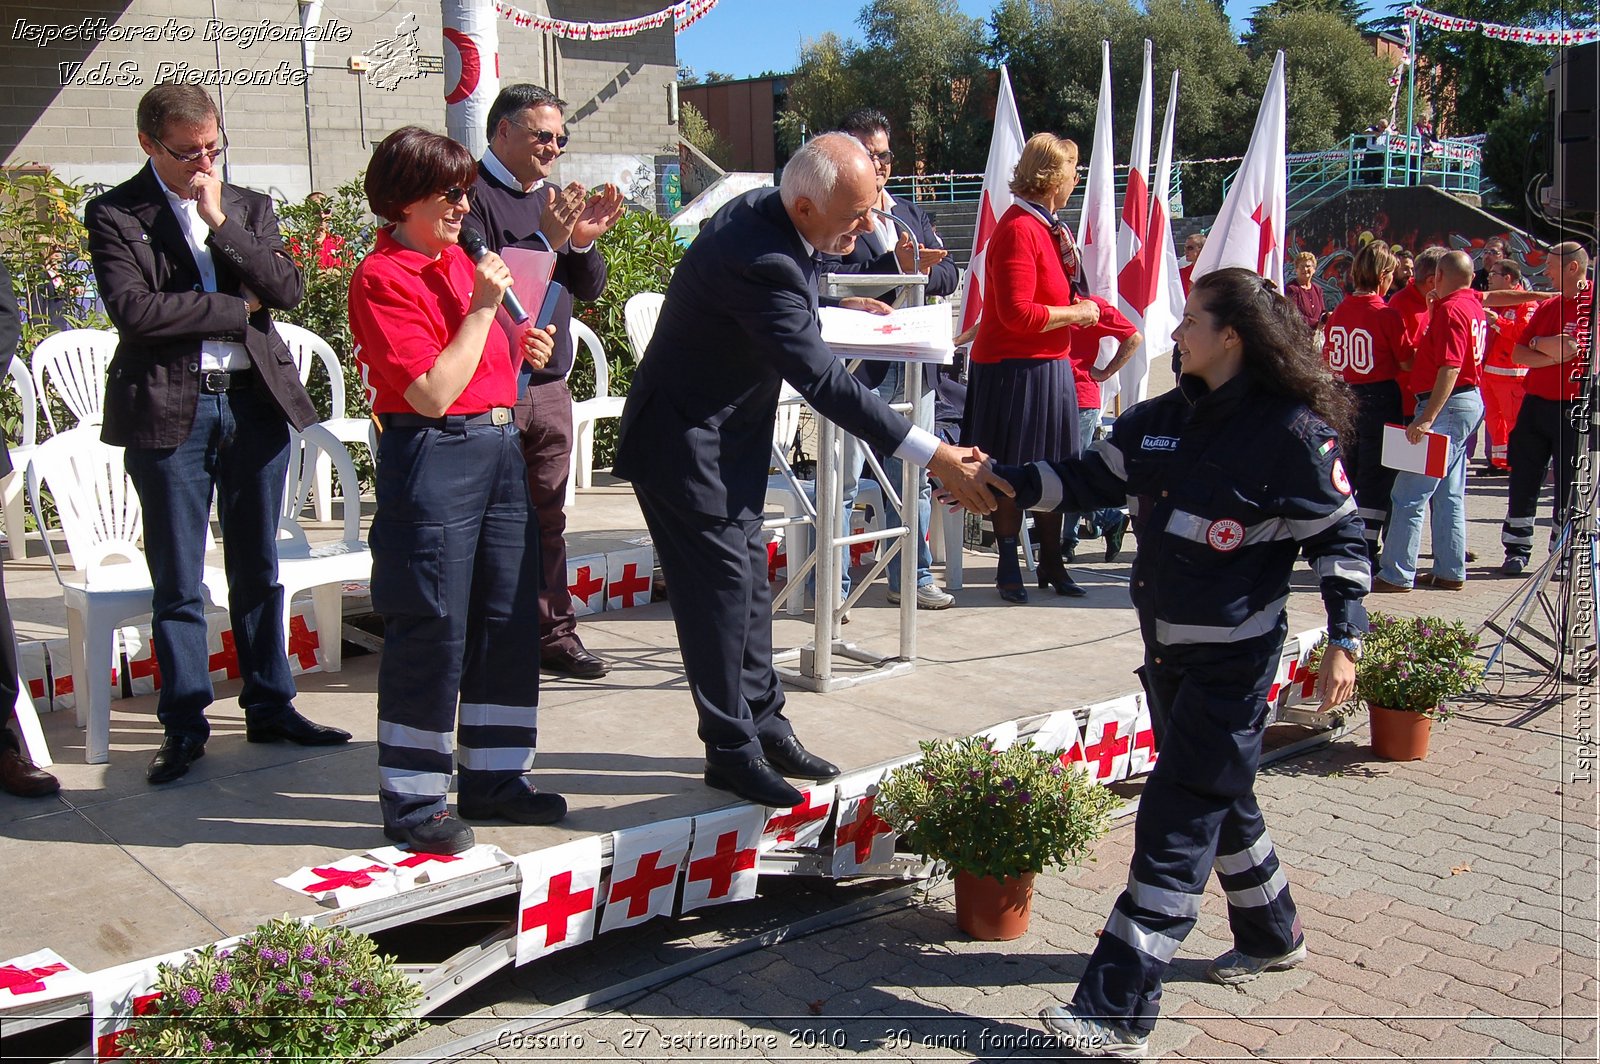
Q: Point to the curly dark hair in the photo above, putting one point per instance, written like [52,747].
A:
[1278,346]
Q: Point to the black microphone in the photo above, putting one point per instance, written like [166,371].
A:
[476,247]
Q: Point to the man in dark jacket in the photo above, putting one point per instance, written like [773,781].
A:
[201,394]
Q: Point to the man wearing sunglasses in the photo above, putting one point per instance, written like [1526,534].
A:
[200,394]
[514,204]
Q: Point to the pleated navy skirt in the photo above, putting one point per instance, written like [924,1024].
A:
[1022,410]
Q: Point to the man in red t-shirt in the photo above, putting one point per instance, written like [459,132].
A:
[1502,377]
[1555,348]
[1110,523]
[1412,304]
[1448,404]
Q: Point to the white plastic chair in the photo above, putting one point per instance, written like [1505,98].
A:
[309,349]
[72,364]
[639,316]
[12,504]
[100,519]
[587,412]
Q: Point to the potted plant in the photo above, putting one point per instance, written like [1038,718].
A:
[287,990]
[997,817]
[1410,668]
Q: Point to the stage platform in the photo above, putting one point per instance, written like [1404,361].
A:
[122,871]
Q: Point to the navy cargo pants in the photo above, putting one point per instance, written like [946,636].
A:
[455,575]
[1209,709]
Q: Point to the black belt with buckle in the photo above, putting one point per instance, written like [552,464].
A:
[499,415]
[218,381]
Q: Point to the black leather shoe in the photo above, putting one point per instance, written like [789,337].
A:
[528,807]
[754,781]
[440,833]
[576,663]
[790,758]
[1065,585]
[1114,538]
[292,727]
[177,753]
[23,778]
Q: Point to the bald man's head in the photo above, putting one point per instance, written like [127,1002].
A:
[1455,272]
[829,188]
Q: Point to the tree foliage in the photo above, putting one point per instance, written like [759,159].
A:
[693,127]
[1336,85]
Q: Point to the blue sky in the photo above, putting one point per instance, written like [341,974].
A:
[746,37]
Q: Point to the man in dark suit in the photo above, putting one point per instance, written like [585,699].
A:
[201,393]
[740,318]
[515,205]
[18,775]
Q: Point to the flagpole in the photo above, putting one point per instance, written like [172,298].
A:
[1411,98]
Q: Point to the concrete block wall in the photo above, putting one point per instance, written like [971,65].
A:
[84,128]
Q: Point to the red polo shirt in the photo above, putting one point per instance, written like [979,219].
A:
[1561,317]
[1363,340]
[1086,349]
[405,308]
[1457,330]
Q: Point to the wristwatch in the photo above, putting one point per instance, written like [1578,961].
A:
[1349,644]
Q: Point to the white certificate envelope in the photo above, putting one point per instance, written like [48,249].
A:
[1430,457]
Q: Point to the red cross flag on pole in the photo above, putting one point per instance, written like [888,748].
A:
[121,993]
[1135,248]
[560,893]
[1097,223]
[800,827]
[1249,230]
[645,862]
[1005,148]
[722,860]
[862,840]
[1165,309]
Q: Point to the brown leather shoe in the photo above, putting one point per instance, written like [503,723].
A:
[23,778]
[1383,587]
[576,663]
[1439,583]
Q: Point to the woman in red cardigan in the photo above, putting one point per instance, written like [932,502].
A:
[1021,401]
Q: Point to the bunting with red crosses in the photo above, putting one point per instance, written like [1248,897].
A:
[1060,733]
[1540,35]
[1108,736]
[119,994]
[347,881]
[722,858]
[862,840]
[38,976]
[586,583]
[560,896]
[682,15]
[1142,756]
[801,827]
[645,863]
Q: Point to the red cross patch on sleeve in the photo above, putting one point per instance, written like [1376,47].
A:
[1341,479]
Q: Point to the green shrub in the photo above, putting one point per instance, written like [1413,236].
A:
[287,991]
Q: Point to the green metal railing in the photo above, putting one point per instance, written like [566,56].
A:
[1395,161]
[957,188]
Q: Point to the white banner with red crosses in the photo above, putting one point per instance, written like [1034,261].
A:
[862,840]
[303,641]
[144,672]
[628,577]
[1108,738]
[119,994]
[586,583]
[42,975]
[645,862]
[347,881]
[560,895]
[33,672]
[414,868]
[1060,732]
[722,859]
[1142,757]
[800,827]
[59,654]
[1300,681]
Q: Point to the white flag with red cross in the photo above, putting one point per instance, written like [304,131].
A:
[347,881]
[223,662]
[586,583]
[645,862]
[1142,755]
[560,895]
[722,858]
[33,672]
[1249,230]
[1165,307]
[777,559]
[1005,148]
[438,867]
[1301,682]
[1135,249]
[1059,733]
[42,975]
[304,641]
[800,827]
[1108,736]
[121,993]
[1097,222]
[862,840]
[59,654]
[628,574]
[144,672]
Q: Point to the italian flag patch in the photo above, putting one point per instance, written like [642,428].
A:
[1327,445]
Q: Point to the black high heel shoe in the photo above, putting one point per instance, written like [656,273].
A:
[1057,579]
[1008,574]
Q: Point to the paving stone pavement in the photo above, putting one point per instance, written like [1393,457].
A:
[1450,908]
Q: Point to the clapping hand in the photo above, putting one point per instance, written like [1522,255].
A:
[562,208]
[598,215]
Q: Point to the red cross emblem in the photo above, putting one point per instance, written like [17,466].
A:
[649,875]
[1146,740]
[1262,216]
[776,559]
[629,584]
[859,551]
[1225,534]
[334,878]
[1305,677]
[560,906]
[36,687]
[226,659]
[418,859]
[146,666]
[106,1046]
[303,642]
[1105,752]
[863,829]
[782,826]
[16,980]
[585,584]
[887,330]
[720,867]
[1341,479]
[1071,757]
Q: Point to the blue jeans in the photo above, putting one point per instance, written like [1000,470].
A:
[892,391]
[239,447]
[1099,520]
[1413,491]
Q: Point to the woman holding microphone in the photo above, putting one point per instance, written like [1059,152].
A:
[455,569]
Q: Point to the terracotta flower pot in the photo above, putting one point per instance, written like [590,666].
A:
[994,910]
[1399,734]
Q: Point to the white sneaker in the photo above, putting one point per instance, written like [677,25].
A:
[929,597]
[1233,967]
[1092,1038]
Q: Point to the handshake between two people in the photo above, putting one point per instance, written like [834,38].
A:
[966,477]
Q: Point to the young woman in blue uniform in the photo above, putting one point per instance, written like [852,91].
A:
[1232,475]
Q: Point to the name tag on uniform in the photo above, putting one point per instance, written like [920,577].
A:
[1159,443]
